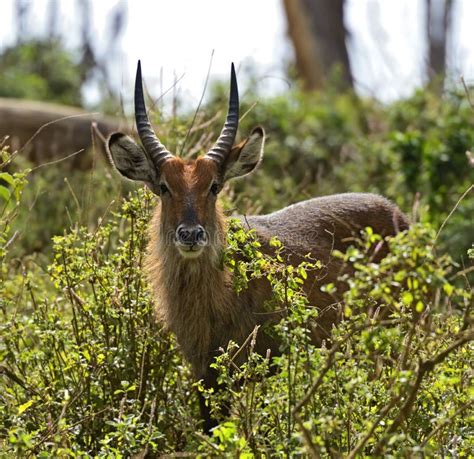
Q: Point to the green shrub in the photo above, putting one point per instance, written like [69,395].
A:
[87,372]
[40,70]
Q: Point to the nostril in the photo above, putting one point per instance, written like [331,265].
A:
[191,235]
[183,234]
[201,234]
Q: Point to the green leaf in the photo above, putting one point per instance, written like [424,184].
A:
[448,289]
[6,177]
[4,193]
[407,298]
[25,406]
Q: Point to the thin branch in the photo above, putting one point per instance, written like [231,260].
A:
[362,442]
[56,161]
[424,368]
[154,102]
[452,211]
[331,356]
[248,111]
[44,126]
[12,376]
[200,102]
[313,449]
[445,422]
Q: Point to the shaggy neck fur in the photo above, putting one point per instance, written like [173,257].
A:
[194,297]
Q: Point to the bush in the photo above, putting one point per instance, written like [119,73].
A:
[40,70]
[87,372]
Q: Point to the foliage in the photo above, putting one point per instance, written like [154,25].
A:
[392,378]
[40,70]
[87,369]
[412,151]
[80,198]
[88,373]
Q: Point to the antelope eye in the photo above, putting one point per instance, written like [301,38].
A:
[163,188]
[214,188]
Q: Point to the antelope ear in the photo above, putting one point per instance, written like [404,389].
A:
[245,156]
[130,159]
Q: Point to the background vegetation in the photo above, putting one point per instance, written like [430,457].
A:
[86,371]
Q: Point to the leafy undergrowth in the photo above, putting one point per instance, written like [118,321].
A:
[87,372]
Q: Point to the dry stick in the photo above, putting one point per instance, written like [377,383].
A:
[424,367]
[452,211]
[248,111]
[383,412]
[10,375]
[466,320]
[407,346]
[50,163]
[200,102]
[76,200]
[95,130]
[249,338]
[468,95]
[446,421]
[69,427]
[207,123]
[53,122]
[154,102]
[314,450]
[330,360]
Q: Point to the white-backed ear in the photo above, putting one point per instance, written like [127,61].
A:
[246,156]
[130,159]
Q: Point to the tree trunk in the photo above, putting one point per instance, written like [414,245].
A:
[44,132]
[438,24]
[316,28]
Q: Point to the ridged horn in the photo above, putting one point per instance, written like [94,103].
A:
[226,139]
[155,149]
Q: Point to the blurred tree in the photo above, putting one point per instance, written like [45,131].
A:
[21,13]
[316,28]
[438,26]
[317,31]
[40,70]
[40,67]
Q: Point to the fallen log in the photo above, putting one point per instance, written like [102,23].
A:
[44,132]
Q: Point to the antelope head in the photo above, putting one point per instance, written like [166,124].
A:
[188,189]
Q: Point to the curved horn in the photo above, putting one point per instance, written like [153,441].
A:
[225,142]
[155,149]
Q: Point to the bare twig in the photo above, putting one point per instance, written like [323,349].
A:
[12,376]
[330,360]
[44,126]
[50,163]
[452,211]
[446,421]
[249,338]
[200,102]
[313,449]
[468,94]
[362,442]
[424,368]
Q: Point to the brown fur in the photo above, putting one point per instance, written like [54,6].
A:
[195,298]
[193,290]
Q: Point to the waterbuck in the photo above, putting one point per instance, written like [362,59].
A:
[194,294]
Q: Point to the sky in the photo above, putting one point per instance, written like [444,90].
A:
[176,39]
